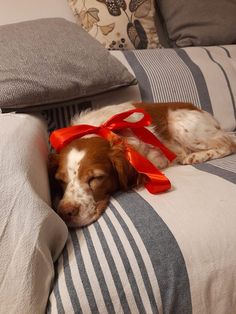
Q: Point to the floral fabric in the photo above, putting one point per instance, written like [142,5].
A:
[118,24]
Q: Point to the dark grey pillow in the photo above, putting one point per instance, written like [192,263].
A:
[199,22]
[53,61]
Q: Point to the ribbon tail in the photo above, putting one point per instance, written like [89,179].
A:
[148,137]
[157,181]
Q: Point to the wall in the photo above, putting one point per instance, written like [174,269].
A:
[12,11]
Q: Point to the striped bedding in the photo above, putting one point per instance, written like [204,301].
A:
[169,253]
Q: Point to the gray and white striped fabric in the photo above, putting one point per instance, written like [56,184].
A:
[169,253]
[116,266]
[225,167]
[60,117]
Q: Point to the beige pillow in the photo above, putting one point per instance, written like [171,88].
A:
[118,24]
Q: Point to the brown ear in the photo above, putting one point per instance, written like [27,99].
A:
[53,160]
[128,177]
[55,187]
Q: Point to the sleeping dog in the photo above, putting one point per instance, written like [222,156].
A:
[89,169]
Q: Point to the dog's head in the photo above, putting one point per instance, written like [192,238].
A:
[89,170]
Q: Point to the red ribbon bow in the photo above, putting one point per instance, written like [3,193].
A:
[157,181]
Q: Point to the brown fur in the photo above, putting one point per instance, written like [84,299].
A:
[102,155]
[159,114]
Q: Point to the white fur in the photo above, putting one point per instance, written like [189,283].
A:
[199,137]
[73,160]
[76,192]
[99,116]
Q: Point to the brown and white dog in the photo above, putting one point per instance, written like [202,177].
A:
[90,169]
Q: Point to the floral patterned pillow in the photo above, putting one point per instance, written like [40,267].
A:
[118,24]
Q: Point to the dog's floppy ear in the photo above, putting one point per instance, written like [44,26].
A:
[55,187]
[53,161]
[128,177]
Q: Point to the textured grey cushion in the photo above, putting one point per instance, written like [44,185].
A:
[52,61]
[199,22]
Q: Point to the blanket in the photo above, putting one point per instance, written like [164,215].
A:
[31,234]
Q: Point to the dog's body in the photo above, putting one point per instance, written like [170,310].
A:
[91,169]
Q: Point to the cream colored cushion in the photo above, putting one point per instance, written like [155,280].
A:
[118,24]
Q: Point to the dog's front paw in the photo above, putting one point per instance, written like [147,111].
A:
[190,159]
[198,157]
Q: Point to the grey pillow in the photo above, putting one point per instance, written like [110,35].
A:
[199,22]
[53,61]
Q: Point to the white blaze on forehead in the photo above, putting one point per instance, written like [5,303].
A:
[73,160]
[75,192]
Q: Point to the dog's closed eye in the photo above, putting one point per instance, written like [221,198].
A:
[95,181]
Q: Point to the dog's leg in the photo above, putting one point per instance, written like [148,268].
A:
[205,155]
[218,146]
[157,158]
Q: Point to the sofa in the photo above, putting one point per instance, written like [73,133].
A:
[173,252]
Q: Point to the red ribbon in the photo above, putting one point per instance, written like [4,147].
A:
[157,181]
